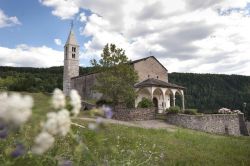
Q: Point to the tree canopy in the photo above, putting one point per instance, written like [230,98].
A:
[117,77]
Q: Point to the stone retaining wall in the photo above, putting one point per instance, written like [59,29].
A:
[213,123]
[135,114]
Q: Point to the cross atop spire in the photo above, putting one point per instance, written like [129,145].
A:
[72,24]
[71,38]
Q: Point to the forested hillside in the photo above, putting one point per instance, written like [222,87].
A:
[206,92]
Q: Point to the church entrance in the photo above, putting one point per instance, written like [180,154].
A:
[155,101]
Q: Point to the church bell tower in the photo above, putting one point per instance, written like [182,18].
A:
[71,61]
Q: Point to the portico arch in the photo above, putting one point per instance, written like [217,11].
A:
[169,98]
[159,96]
[179,98]
[141,93]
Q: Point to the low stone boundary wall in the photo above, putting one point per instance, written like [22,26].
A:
[213,123]
[135,114]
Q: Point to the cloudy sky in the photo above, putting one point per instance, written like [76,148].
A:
[211,36]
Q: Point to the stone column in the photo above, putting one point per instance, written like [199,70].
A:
[164,98]
[183,102]
[174,99]
[152,93]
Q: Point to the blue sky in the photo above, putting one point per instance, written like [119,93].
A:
[185,35]
[38,26]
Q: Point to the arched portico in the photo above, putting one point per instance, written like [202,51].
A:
[163,94]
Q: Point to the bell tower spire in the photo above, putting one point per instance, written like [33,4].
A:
[71,60]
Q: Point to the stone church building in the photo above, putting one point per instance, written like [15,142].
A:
[153,79]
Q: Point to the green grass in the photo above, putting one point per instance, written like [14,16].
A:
[121,145]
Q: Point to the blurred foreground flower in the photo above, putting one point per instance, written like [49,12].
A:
[104,111]
[42,143]
[58,99]
[19,150]
[66,163]
[75,101]
[107,111]
[15,108]
[58,123]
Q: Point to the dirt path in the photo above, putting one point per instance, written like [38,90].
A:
[149,124]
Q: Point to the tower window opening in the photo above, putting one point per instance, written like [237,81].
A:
[73,49]
[73,55]
[66,50]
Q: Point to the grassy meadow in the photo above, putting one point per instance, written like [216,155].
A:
[121,145]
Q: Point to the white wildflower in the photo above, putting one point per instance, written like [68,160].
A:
[15,108]
[51,124]
[75,101]
[58,123]
[3,96]
[99,120]
[42,143]
[92,126]
[58,99]
[64,122]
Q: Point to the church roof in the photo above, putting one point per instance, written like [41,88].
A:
[71,38]
[143,59]
[157,83]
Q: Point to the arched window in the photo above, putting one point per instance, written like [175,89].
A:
[73,55]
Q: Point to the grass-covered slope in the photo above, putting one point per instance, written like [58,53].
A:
[121,145]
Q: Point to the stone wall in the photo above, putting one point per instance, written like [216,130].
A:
[213,123]
[134,114]
[84,85]
[150,68]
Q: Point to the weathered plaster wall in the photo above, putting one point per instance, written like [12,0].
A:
[213,123]
[150,67]
[84,86]
[134,114]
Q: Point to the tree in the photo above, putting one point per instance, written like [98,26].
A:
[117,77]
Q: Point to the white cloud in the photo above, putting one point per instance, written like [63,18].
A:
[58,42]
[64,9]
[27,56]
[186,35]
[6,21]
[82,17]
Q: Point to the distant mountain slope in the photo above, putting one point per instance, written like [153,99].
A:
[206,92]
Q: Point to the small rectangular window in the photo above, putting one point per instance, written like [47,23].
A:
[73,55]
[66,50]
[73,49]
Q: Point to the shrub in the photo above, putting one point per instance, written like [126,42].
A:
[191,111]
[102,102]
[145,103]
[173,110]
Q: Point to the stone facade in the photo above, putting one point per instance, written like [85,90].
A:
[134,114]
[71,62]
[147,67]
[150,68]
[212,123]
[84,86]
